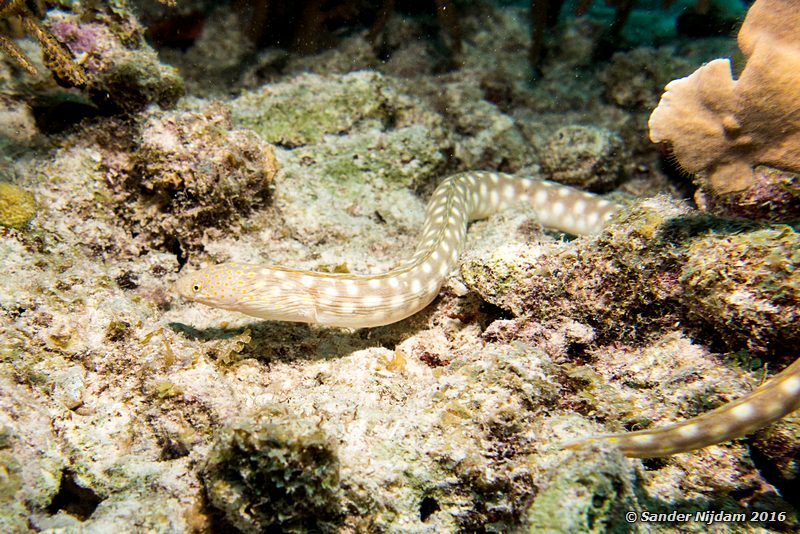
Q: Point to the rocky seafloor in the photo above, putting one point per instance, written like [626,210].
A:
[125,409]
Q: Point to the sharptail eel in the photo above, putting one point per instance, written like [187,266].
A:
[281,293]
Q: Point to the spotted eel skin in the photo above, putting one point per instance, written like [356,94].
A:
[775,399]
[353,300]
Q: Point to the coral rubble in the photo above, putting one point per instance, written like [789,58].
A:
[125,408]
[737,286]
[56,55]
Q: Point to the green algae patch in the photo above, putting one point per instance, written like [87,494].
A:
[17,206]
[303,111]
[588,493]
[404,156]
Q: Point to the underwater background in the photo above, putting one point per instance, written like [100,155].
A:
[142,140]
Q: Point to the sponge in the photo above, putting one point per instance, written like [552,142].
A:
[17,206]
[724,126]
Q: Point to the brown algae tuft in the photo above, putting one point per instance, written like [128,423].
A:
[17,206]
[274,471]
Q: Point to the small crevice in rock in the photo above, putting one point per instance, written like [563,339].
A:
[427,507]
[73,499]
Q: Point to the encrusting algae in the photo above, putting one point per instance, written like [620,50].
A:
[17,206]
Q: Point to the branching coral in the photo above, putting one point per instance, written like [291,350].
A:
[725,127]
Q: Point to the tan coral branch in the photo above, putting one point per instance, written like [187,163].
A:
[56,56]
[10,48]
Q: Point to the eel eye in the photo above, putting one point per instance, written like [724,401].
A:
[196,288]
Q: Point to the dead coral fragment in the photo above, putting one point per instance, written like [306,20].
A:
[584,156]
[17,206]
[10,48]
[275,471]
[725,126]
[746,287]
[122,71]
[620,281]
[191,174]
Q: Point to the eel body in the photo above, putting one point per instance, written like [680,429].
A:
[281,293]
[775,399]
[356,301]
